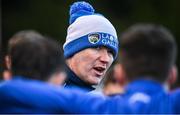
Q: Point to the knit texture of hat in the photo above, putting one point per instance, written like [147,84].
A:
[87,30]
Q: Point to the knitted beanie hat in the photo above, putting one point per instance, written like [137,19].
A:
[87,30]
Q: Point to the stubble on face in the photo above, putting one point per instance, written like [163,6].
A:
[85,64]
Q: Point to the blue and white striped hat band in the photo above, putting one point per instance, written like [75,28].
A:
[92,40]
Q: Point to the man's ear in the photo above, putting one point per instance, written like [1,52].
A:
[119,74]
[7,75]
[172,78]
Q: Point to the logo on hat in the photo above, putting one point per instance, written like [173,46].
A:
[94,38]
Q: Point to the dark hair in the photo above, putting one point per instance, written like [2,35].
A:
[147,50]
[34,56]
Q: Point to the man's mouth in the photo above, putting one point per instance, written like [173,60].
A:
[99,70]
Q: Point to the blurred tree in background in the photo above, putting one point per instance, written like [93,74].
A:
[50,17]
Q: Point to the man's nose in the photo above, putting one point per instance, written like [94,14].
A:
[104,56]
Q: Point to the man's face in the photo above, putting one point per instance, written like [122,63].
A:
[91,64]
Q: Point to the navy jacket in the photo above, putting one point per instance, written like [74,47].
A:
[30,96]
[74,81]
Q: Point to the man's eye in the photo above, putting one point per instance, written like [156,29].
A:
[110,51]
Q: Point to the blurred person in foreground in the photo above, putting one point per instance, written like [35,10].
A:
[32,55]
[113,82]
[91,47]
[34,60]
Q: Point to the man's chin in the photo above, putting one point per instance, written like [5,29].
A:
[98,80]
[94,80]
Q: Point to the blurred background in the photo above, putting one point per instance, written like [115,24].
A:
[50,17]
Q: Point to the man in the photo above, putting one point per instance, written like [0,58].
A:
[31,59]
[90,48]
[22,59]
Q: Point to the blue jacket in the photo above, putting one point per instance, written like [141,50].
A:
[30,96]
[74,81]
